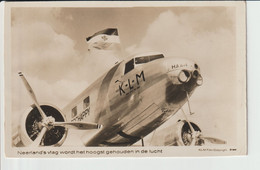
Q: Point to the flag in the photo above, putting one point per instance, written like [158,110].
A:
[104,40]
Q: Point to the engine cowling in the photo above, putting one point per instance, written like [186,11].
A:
[30,126]
[181,135]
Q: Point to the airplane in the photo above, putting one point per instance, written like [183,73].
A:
[131,100]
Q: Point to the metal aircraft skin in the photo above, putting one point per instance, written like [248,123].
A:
[131,105]
[131,100]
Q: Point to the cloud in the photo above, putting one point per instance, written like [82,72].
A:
[32,15]
[176,36]
[39,50]
[56,71]
[48,60]
[213,47]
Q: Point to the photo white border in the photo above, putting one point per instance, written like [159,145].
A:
[236,162]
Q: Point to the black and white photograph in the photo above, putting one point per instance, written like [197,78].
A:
[134,79]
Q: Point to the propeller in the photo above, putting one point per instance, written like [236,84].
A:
[39,138]
[187,120]
[197,135]
[48,122]
[31,93]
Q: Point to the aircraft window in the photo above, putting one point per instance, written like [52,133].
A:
[155,57]
[74,111]
[146,59]
[129,66]
[140,60]
[86,102]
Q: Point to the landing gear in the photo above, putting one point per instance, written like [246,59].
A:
[142,141]
[188,101]
[191,134]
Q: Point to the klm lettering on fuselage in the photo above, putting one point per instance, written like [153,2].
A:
[131,84]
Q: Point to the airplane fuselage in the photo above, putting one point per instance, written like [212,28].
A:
[131,100]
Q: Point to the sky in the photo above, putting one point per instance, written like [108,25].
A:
[48,45]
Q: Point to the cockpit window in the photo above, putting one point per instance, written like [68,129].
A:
[146,59]
[129,66]
[140,60]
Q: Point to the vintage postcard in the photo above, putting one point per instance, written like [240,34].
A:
[125,79]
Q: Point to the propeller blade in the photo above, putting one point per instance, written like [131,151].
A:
[38,140]
[215,140]
[187,120]
[31,93]
[78,125]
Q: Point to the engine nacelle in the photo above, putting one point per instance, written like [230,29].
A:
[30,126]
[181,134]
